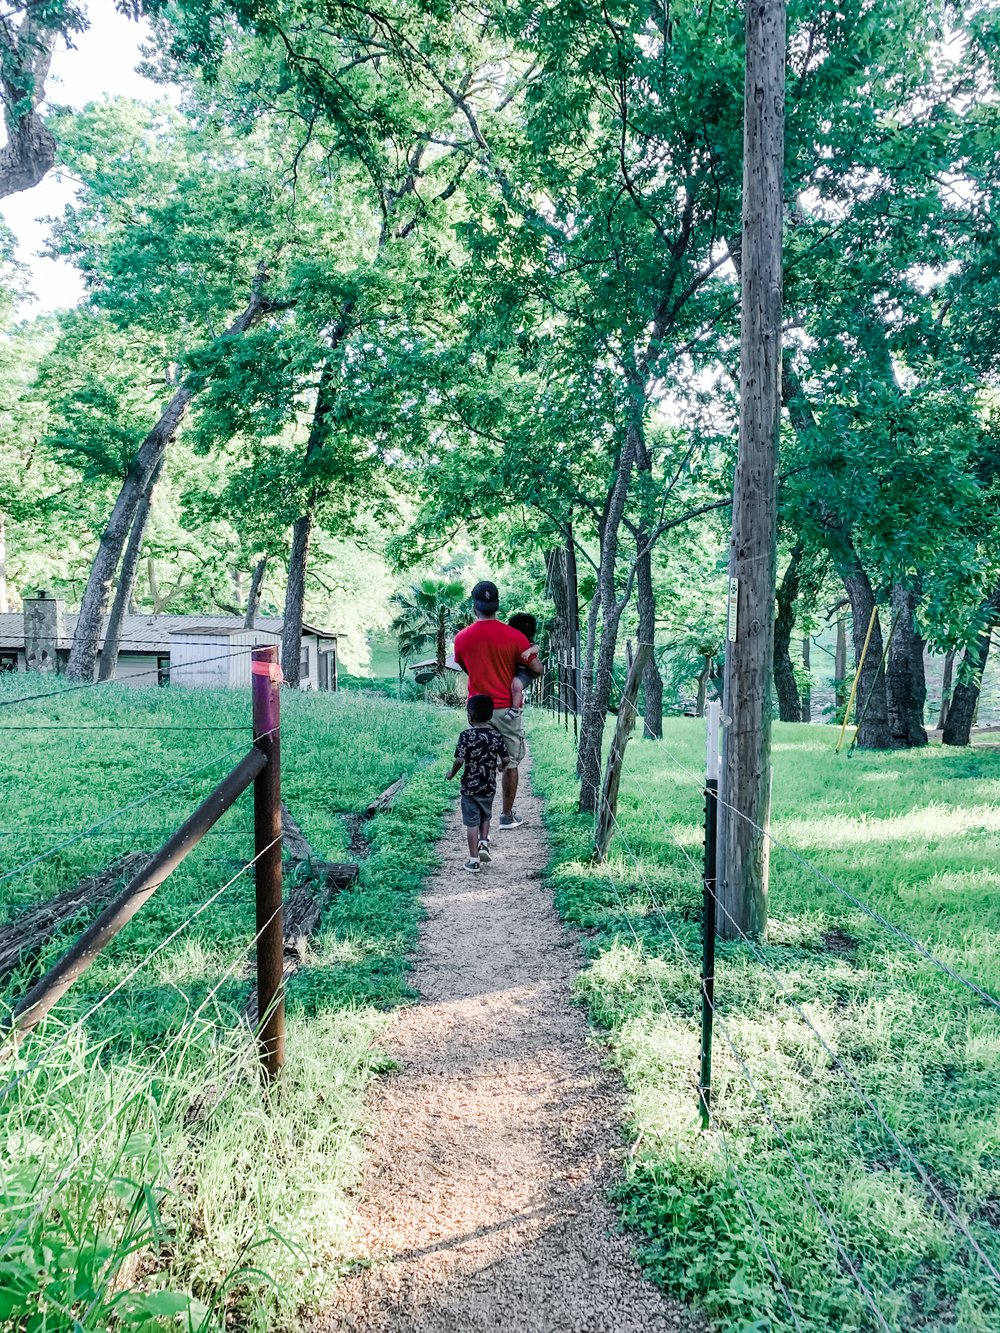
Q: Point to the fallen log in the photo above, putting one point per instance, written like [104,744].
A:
[24,938]
[316,881]
[384,801]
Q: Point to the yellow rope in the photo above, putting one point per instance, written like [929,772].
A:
[857,677]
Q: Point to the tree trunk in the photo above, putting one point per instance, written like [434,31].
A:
[965,697]
[871,707]
[652,681]
[611,608]
[4,604]
[746,771]
[25,57]
[94,602]
[699,703]
[256,588]
[906,685]
[124,593]
[789,705]
[946,678]
[295,597]
[807,688]
[441,642]
[840,665]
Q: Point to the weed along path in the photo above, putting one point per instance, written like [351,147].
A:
[483,1206]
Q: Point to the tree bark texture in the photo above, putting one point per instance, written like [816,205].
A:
[611,608]
[93,605]
[25,56]
[789,704]
[125,591]
[256,588]
[746,770]
[906,684]
[965,697]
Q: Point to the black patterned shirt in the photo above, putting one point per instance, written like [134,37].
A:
[481,749]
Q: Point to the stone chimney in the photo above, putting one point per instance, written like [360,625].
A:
[44,630]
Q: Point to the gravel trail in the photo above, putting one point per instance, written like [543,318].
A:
[483,1206]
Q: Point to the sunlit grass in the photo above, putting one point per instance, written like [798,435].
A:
[914,836]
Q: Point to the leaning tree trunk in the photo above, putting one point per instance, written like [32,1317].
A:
[871,709]
[599,696]
[965,697]
[125,592]
[256,588]
[295,598]
[946,678]
[86,639]
[652,681]
[906,684]
[786,687]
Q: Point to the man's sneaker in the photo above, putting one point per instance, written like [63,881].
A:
[484,850]
[513,820]
[472,865]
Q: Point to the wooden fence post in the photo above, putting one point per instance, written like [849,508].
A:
[608,808]
[267,847]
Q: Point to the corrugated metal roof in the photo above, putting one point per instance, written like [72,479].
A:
[146,634]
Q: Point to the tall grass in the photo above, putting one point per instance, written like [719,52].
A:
[149,1181]
[914,836]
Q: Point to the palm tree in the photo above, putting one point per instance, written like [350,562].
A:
[427,613]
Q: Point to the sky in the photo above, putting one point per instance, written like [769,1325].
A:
[101,64]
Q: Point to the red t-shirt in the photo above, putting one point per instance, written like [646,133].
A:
[490,652]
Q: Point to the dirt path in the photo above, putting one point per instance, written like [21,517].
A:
[483,1206]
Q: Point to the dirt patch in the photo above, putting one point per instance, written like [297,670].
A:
[838,941]
[484,1203]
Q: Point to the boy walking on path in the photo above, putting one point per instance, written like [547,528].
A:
[480,753]
[490,652]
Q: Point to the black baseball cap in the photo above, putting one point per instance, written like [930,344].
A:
[485,596]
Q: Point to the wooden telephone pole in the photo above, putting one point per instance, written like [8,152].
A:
[746,770]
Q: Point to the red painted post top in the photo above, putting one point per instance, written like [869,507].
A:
[266,681]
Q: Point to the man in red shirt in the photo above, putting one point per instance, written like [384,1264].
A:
[489,652]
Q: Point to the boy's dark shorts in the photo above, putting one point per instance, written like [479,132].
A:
[475,809]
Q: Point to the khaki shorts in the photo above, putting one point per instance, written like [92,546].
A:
[512,733]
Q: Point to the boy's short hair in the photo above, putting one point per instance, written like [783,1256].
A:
[480,707]
[527,625]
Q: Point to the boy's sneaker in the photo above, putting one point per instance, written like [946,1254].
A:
[472,865]
[484,850]
[513,820]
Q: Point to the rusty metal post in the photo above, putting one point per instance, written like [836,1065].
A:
[266,681]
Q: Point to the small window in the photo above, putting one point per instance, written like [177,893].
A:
[304,662]
[8,662]
[163,671]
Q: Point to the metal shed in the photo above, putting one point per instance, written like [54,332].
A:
[215,657]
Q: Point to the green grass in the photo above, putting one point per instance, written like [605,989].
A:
[914,836]
[143,1168]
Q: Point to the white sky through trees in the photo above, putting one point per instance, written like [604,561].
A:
[101,64]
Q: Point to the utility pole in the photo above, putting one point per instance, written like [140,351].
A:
[745,796]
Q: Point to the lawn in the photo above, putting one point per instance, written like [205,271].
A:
[142,1164]
[912,835]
